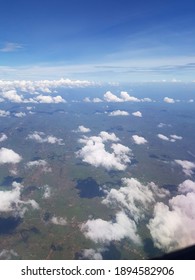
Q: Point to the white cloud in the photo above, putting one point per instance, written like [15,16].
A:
[4,113]
[86,99]
[106,231]
[12,96]
[134,198]
[40,137]
[110,97]
[20,115]
[160,125]
[83,129]
[9,198]
[126,97]
[139,140]
[94,152]
[46,86]
[173,137]
[137,114]
[10,201]
[29,108]
[11,47]
[39,163]
[169,100]
[118,113]
[187,186]
[9,156]
[58,221]
[105,136]
[47,192]
[91,254]
[7,254]
[187,166]
[173,225]
[163,137]
[190,100]
[176,137]
[146,99]
[50,99]
[3,137]
[97,100]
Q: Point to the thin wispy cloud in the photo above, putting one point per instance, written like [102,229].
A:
[11,47]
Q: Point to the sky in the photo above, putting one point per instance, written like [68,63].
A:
[98,40]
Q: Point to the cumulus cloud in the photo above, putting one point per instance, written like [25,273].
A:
[160,125]
[91,254]
[97,100]
[134,198]
[133,201]
[110,97]
[83,129]
[170,219]
[187,186]
[11,201]
[86,99]
[9,156]
[46,86]
[124,97]
[146,99]
[173,137]
[105,136]
[4,113]
[3,137]
[139,140]
[20,114]
[39,163]
[94,152]
[8,254]
[50,99]
[169,100]
[173,225]
[187,166]
[103,231]
[47,192]
[58,221]
[12,96]
[176,137]
[118,113]
[40,137]
[163,137]
[137,114]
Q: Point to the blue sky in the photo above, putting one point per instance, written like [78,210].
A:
[100,40]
